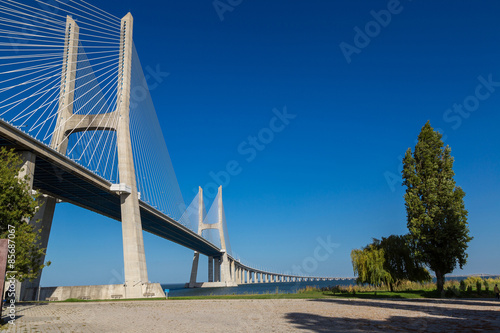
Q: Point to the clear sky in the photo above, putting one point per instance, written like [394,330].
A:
[328,172]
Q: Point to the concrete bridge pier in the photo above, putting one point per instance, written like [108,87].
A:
[67,123]
[133,245]
[46,206]
[220,270]
[216,269]
[233,272]
[210,269]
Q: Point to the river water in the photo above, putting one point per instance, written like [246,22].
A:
[271,288]
[254,288]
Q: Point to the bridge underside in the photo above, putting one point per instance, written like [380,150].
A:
[58,176]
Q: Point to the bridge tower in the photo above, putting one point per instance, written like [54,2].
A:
[219,271]
[68,123]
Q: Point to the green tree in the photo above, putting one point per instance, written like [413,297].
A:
[436,215]
[400,261]
[17,207]
[368,265]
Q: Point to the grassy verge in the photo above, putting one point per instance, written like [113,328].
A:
[316,294]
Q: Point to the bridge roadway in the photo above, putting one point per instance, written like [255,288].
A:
[60,177]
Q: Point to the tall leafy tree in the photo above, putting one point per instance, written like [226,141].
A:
[400,262]
[17,207]
[436,214]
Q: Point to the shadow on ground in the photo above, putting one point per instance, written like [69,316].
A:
[403,316]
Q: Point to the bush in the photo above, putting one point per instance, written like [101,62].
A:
[478,286]
[486,285]
[469,289]
[472,280]
[335,289]
[463,285]
[452,292]
[308,289]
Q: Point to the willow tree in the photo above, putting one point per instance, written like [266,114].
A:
[436,214]
[17,207]
[368,265]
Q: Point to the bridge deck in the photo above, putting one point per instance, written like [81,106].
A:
[62,178]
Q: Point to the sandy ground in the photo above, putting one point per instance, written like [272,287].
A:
[338,315]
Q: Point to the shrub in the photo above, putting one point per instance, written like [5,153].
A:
[472,280]
[335,289]
[478,286]
[308,289]
[486,285]
[469,289]
[463,285]
[452,292]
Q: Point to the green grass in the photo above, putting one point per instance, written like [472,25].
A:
[325,294]
[311,294]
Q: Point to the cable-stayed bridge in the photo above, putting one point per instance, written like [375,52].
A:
[75,104]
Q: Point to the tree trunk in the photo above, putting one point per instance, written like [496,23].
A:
[439,282]
[391,287]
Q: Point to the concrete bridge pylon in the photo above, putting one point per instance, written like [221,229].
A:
[220,272]
[67,123]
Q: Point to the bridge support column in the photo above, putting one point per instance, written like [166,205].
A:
[26,291]
[133,245]
[194,270]
[59,142]
[222,270]
[224,265]
[233,271]
[210,269]
[217,269]
[196,256]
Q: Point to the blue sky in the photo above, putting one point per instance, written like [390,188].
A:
[333,171]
